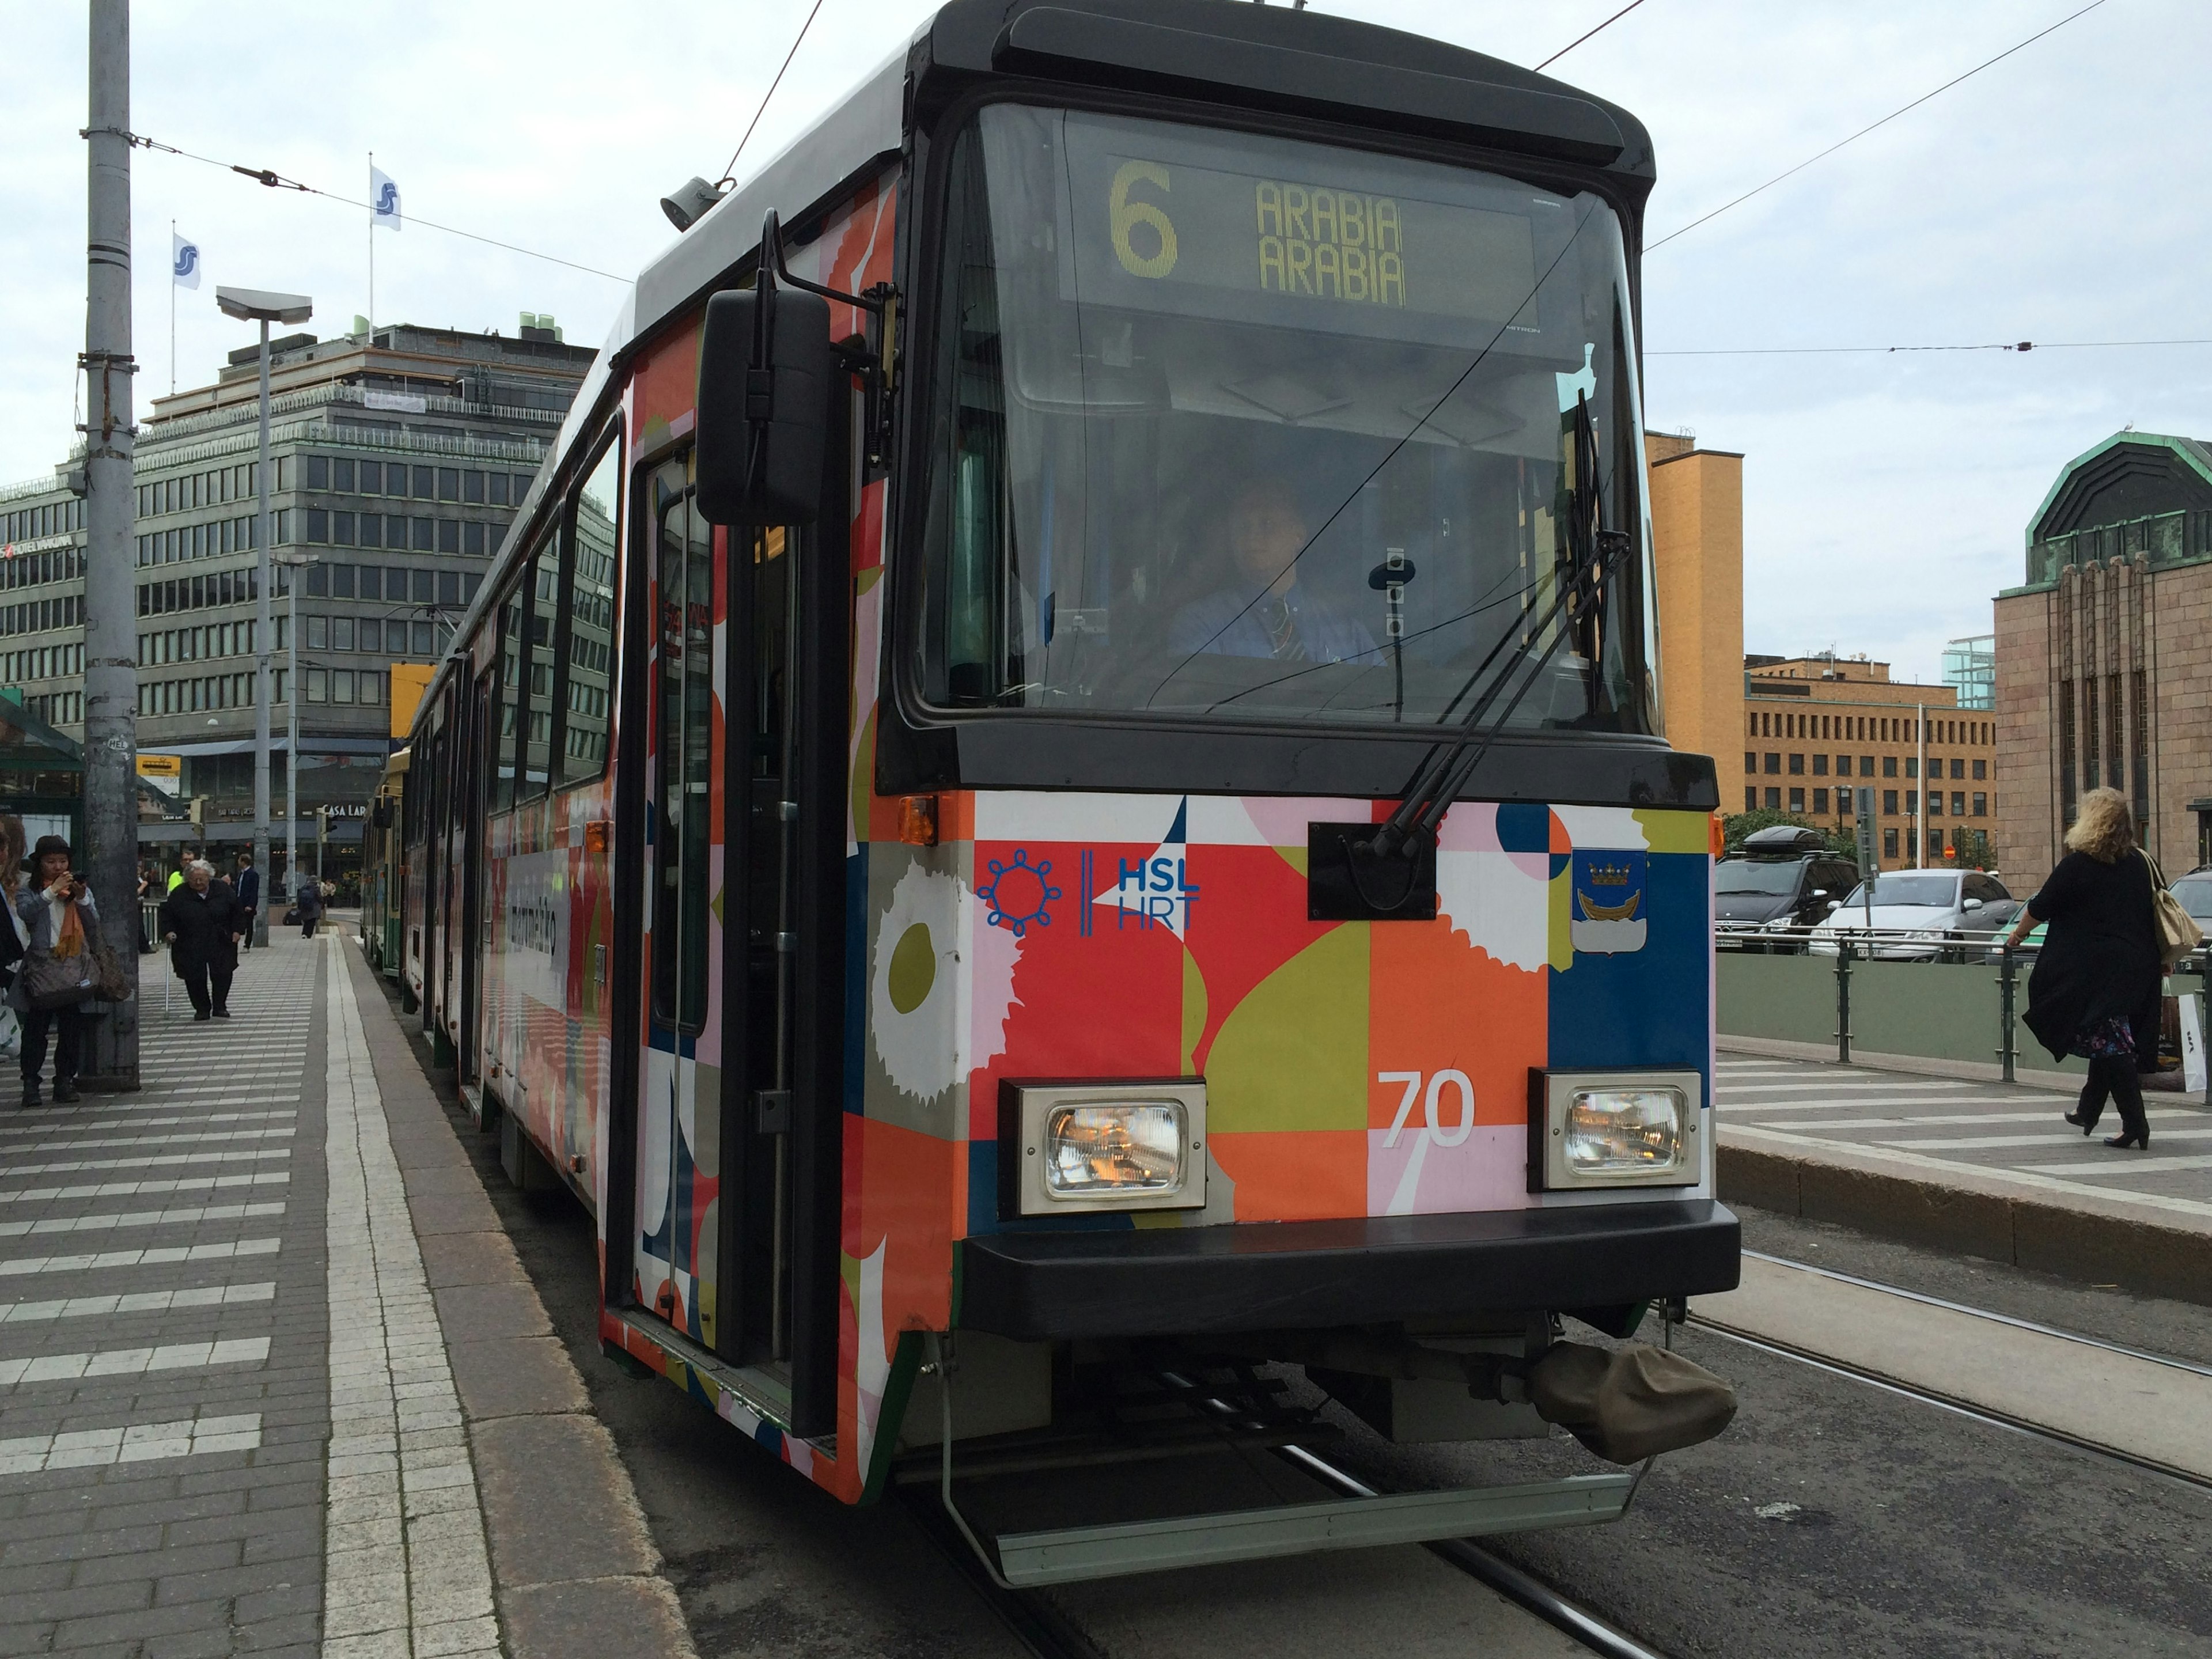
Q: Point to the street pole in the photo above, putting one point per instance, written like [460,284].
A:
[262,689]
[1920,819]
[295,689]
[111,637]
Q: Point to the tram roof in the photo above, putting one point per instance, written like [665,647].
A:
[1231,51]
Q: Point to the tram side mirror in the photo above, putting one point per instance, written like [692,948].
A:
[763,403]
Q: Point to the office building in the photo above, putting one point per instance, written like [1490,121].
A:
[1816,729]
[2104,653]
[399,458]
[1970,668]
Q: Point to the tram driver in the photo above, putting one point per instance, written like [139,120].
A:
[1259,607]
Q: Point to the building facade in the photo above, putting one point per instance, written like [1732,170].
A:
[1818,729]
[399,459]
[1697,533]
[2104,674]
[1970,668]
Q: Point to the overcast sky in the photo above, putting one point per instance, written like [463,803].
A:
[2054,197]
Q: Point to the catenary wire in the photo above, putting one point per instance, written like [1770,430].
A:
[274,181]
[1578,40]
[729,172]
[1863,131]
[1892,351]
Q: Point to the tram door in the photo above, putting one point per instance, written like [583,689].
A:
[474,771]
[679,1127]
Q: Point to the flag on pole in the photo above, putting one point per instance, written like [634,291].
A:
[184,261]
[383,199]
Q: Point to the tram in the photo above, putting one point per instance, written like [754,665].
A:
[1063,767]
[384,869]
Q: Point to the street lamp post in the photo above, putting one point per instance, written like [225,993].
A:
[256,305]
[295,689]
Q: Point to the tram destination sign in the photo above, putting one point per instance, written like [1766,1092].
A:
[1311,237]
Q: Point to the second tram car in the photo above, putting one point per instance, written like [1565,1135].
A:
[1074,770]
[384,869]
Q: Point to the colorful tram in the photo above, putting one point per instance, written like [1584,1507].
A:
[916,831]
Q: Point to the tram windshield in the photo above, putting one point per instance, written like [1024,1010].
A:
[1230,426]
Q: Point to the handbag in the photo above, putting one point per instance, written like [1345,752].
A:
[51,981]
[2178,932]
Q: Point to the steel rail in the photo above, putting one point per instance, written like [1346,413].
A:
[2017,1324]
[1951,1403]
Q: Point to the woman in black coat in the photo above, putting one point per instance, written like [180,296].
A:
[2095,989]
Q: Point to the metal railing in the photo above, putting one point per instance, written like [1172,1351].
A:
[1897,991]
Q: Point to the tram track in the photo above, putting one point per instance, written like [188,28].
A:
[1959,1405]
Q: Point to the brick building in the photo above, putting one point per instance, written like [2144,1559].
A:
[2104,653]
[1816,728]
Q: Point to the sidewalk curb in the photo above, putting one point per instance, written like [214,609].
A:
[2100,1246]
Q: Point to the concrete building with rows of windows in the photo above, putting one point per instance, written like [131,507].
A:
[1819,728]
[399,457]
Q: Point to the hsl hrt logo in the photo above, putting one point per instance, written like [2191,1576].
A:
[1606,913]
[1155,890]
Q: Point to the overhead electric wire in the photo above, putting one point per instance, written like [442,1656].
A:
[1863,131]
[1892,350]
[270,177]
[729,172]
[1578,40]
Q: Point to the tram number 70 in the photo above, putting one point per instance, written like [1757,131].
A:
[1431,1100]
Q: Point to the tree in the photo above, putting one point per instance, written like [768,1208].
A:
[1974,850]
[1735,826]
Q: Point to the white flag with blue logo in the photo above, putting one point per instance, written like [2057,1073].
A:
[184,261]
[383,199]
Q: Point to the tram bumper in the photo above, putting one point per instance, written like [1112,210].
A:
[1360,1271]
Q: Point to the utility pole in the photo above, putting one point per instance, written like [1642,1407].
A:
[1920,818]
[111,633]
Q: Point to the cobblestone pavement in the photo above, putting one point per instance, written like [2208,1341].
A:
[164,1394]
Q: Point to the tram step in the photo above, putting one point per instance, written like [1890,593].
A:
[1031,1558]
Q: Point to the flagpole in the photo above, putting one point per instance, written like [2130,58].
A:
[172,307]
[372,247]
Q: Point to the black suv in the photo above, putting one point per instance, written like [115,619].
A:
[1780,878]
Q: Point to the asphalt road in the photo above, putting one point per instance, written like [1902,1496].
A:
[1832,1518]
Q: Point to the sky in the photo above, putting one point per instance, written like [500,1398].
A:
[2048,199]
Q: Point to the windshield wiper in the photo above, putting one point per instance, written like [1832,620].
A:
[1385,863]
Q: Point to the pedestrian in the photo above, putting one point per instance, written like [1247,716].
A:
[183,863]
[13,938]
[2095,990]
[310,903]
[200,924]
[54,908]
[249,898]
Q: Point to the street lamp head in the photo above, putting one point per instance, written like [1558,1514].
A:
[254,305]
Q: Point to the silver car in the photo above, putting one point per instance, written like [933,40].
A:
[1917,915]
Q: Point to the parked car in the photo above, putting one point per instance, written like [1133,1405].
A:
[2195,892]
[1920,915]
[1781,878]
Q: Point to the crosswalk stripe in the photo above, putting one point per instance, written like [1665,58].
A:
[147,1188]
[1993,1143]
[136,1443]
[163,1160]
[95,1223]
[2052,1116]
[164,1255]
[55,1121]
[157,1140]
[1736,1108]
[134,1362]
[2138,1164]
[117,1303]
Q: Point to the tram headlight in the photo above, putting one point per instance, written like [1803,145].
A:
[1615,1129]
[1103,1146]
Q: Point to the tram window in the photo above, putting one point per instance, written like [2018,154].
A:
[543,586]
[1216,444]
[683,737]
[500,783]
[590,611]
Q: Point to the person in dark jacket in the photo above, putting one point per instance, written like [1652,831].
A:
[249,899]
[310,905]
[14,937]
[201,923]
[2095,990]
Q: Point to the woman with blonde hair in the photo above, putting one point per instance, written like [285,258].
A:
[14,937]
[2095,988]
